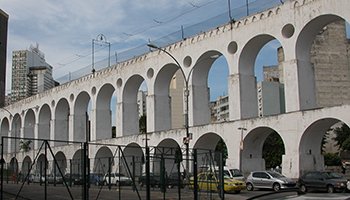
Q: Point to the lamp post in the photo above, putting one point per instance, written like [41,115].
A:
[247,7]
[186,94]
[102,40]
[241,147]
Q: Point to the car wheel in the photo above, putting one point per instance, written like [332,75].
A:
[330,189]
[250,187]
[303,188]
[276,187]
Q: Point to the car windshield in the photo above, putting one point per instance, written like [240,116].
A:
[332,175]
[276,174]
[236,172]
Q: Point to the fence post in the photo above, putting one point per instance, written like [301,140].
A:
[221,174]
[45,167]
[195,177]
[109,172]
[2,167]
[148,188]
[84,166]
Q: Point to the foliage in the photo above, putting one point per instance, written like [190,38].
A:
[114,134]
[342,137]
[221,148]
[332,159]
[273,149]
[324,142]
[143,124]
[25,145]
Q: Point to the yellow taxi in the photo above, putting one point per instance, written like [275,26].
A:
[209,181]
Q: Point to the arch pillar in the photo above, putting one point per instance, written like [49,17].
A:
[94,125]
[198,105]
[130,120]
[299,85]
[243,102]
[52,130]
[71,127]
[36,135]
[158,112]
[120,121]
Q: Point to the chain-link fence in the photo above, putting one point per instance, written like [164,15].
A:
[48,169]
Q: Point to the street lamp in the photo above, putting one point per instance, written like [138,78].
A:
[102,40]
[186,94]
[241,147]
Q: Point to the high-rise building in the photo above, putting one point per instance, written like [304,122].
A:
[141,102]
[220,109]
[30,73]
[40,79]
[3,47]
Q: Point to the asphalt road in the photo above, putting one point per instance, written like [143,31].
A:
[60,192]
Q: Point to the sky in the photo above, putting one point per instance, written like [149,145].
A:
[64,29]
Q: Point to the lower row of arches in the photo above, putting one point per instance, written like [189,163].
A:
[262,148]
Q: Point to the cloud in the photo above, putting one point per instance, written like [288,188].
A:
[64,29]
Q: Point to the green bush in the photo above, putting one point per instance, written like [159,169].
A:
[332,159]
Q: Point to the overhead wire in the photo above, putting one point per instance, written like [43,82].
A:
[158,23]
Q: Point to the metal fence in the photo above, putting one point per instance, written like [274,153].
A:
[85,170]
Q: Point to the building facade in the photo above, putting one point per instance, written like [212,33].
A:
[31,74]
[3,48]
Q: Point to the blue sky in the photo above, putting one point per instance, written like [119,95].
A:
[64,29]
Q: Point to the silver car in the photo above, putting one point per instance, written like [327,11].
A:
[268,179]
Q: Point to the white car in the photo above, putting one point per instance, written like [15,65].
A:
[116,179]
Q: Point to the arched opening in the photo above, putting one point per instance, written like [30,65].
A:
[76,164]
[258,146]
[62,113]
[26,165]
[323,62]
[44,122]
[133,105]
[105,107]
[218,89]
[206,146]
[134,158]
[199,93]
[41,164]
[81,117]
[313,144]
[262,88]
[104,161]
[15,132]
[164,156]
[61,164]
[168,98]
[13,168]
[29,125]
[5,127]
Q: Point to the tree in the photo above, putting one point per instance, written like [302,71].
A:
[143,124]
[342,137]
[114,133]
[25,145]
[221,148]
[273,149]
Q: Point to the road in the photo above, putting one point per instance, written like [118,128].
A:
[60,192]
